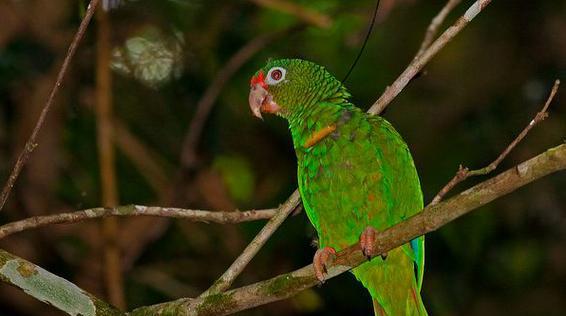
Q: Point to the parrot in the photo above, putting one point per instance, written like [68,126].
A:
[356,176]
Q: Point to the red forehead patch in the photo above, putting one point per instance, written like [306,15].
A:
[259,79]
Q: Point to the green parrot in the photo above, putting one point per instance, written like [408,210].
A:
[355,173]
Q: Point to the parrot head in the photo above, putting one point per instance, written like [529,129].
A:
[288,86]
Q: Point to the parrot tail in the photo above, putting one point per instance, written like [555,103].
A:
[392,285]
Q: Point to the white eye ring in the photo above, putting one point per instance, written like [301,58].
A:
[275,75]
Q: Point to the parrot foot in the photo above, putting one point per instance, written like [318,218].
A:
[367,243]
[321,258]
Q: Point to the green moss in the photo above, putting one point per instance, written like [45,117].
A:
[26,269]
[126,209]
[105,309]
[215,303]
[283,283]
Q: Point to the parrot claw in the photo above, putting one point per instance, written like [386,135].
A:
[367,242]
[321,259]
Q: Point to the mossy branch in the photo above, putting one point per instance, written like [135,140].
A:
[51,289]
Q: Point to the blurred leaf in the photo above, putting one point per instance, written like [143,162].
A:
[153,58]
[237,175]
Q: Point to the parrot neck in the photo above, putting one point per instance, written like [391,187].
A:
[318,122]
[312,122]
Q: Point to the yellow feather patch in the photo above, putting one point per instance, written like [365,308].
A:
[319,135]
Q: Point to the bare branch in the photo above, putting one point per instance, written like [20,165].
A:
[226,280]
[307,15]
[436,22]
[421,60]
[51,289]
[464,173]
[136,210]
[430,219]
[31,143]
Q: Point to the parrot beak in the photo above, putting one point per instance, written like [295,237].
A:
[258,96]
[260,100]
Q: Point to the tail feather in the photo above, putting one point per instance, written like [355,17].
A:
[417,303]
[392,285]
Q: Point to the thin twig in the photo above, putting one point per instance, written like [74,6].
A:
[420,61]
[430,219]
[31,143]
[207,101]
[220,217]
[435,24]
[307,15]
[464,173]
[226,280]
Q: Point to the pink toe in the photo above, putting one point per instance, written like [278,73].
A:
[367,241]
[320,260]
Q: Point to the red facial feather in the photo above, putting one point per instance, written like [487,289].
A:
[259,79]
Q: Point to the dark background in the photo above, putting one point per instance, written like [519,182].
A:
[507,258]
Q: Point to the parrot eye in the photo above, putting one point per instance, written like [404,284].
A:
[275,75]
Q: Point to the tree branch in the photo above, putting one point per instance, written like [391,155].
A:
[226,280]
[435,24]
[51,289]
[31,142]
[136,210]
[421,60]
[464,173]
[430,219]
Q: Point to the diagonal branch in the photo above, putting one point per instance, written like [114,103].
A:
[435,24]
[226,280]
[421,60]
[136,210]
[31,143]
[430,219]
[464,173]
